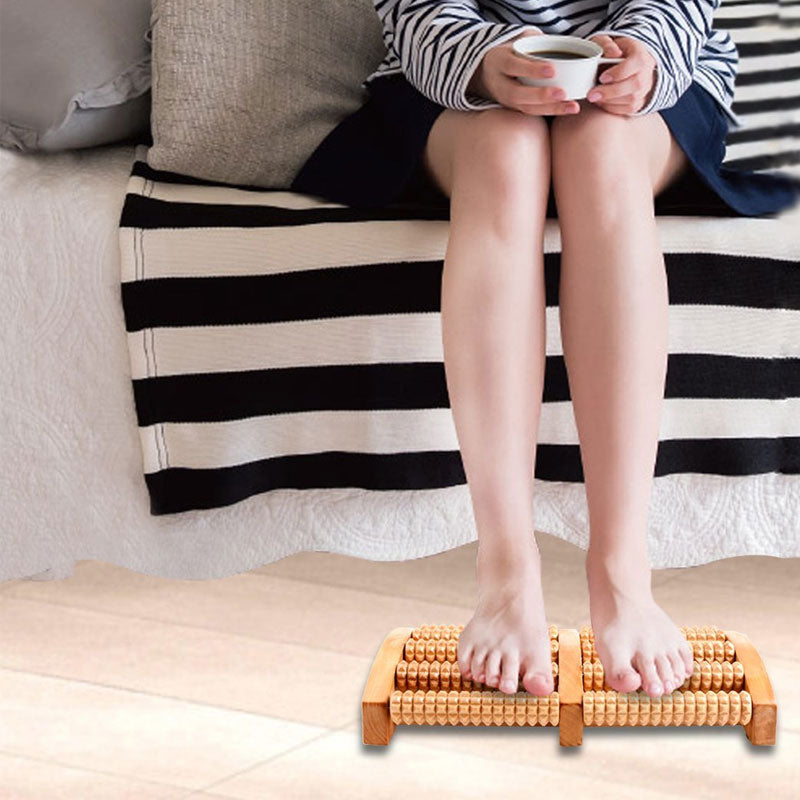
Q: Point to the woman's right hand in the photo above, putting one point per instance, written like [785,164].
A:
[495,79]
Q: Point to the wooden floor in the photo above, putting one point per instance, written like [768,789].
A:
[118,685]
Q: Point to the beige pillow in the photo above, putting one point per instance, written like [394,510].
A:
[73,74]
[243,91]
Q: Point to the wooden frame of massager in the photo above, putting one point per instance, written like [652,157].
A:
[729,686]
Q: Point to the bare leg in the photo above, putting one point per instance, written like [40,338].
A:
[614,314]
[495,167]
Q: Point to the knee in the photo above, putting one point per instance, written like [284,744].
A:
[508,148]
[593,143]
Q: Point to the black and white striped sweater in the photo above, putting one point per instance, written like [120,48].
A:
[438,44]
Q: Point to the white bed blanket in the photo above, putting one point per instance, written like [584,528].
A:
[72,474]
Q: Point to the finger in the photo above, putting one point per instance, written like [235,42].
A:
[530,30]
[542,109]
[620,111]
[614,92]
[611,90]
[610,48]
[616,73]
[623,109]
[624,106]
[628,104]
[512,92]
[516,65]
[625,101]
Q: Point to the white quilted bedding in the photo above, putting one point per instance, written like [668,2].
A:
[72,485]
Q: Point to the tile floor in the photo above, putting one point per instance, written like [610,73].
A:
[118,685]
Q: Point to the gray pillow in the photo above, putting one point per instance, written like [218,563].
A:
[73,73]
[244,90]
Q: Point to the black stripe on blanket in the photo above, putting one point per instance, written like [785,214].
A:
[749,22]
[767,76]
[772,131]
[177,489]
[414,287]
[765,162]
[221,396]
[775,48]
[149,213]
[744,107]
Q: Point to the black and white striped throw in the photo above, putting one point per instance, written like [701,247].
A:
[767,96]
[278,341]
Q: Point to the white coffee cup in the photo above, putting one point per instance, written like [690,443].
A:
[575,76]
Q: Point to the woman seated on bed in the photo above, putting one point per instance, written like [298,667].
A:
[455,120]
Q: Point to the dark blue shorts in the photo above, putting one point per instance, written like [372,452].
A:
[373,158]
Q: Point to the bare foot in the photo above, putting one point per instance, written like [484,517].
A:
[508,634]
[637,643]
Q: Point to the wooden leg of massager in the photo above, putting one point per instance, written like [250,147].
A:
[570,688]
[376,724]
[763,724]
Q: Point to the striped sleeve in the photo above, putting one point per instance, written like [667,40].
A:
[440,44]
[674,31]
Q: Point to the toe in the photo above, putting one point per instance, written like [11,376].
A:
[678,669]
[538,677]
[509,673]
[479,663]
[493,668]
[537,682]
[538,669]
[651,683]
[618,671]
[464,660]
[665,673]
[622,677]
[687,654]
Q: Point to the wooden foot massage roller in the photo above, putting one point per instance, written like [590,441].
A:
[415,680]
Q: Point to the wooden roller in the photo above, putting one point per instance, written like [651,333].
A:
[415,680]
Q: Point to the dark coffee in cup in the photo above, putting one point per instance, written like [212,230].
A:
[575,62]
[562,54]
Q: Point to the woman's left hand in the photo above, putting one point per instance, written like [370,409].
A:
[625,87]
